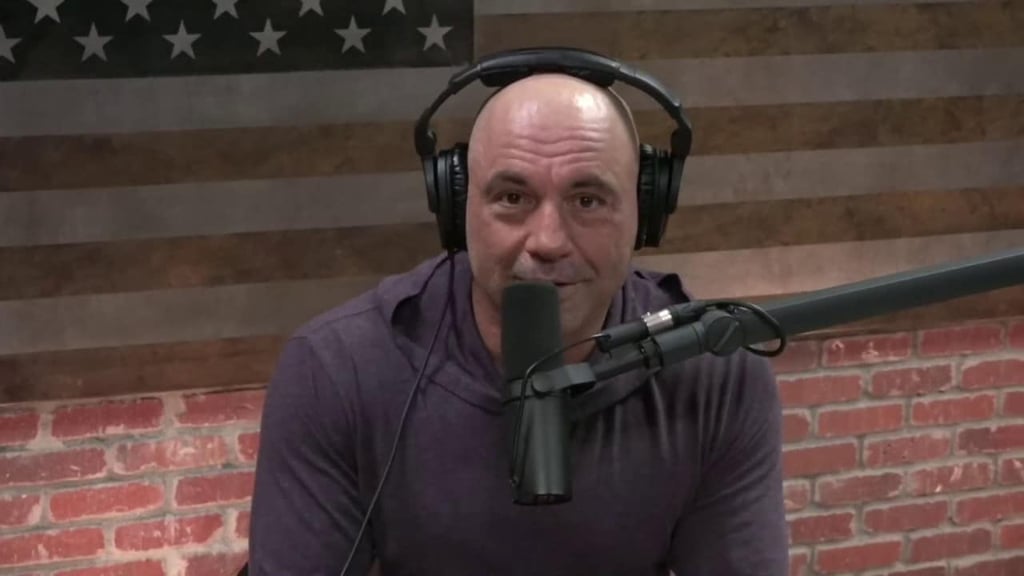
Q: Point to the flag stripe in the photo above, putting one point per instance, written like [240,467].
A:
[249,361]
[309,98]
[186,314]
[76,269]
[44,162]
[110,214]
[852,27]
[482,7]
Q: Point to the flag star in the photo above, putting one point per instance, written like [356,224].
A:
[182,41]
[7,43]
[393,4]
[225,7]
[434,33]
[268,39]
[353,36]
[93,44]
[46,8]
[308,5]
[137,8]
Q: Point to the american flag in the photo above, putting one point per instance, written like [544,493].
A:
[182,182]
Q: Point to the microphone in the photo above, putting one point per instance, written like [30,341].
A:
[531,337]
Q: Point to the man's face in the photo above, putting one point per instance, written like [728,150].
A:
[552,196]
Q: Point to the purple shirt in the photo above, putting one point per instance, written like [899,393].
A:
[681,471]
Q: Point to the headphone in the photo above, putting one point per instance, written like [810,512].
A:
[446,172]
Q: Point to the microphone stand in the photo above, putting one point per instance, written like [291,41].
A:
[722,327]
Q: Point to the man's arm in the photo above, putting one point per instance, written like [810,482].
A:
[736,524]
[306,509]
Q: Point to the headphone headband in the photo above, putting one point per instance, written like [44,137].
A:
[503,68]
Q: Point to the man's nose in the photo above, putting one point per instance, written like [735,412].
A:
[549,237]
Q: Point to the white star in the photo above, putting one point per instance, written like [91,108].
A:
[353,36]
[393,4]
[7,43]
[182,41]
[308,5]
[434,33]
[137,7]
[225,7]
[46,8]
[93,44]
[268,39]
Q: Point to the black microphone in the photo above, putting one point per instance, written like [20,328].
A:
[531,336]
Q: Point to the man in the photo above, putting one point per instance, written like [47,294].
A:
[680,472]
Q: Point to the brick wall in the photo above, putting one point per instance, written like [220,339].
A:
[904,455]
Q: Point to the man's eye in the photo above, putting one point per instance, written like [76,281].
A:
[512,198]
[587,201]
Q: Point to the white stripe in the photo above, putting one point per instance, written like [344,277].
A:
[791,269]
[94,215]
[302,98]
[172,315]
[168,315]
[497,7]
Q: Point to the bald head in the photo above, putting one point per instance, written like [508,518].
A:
[557,96]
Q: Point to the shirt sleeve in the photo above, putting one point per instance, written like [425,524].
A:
[306,509]
[736,522]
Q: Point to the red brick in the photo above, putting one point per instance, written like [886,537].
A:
[950,545]
[222,408]
[39,547]
[799,356]
[106,501]
[961,340]
[17,428]
[991,439]
[107,418]
[797,494]
[950,478]
[139,568]
[242,519]
[1011,471]
[923,571]
[1016,334]
[215,564]
[821,528]
[915,381]
[857,489]
[973,509]
[858,557]
[171,454]
[20,510]
[817,390]
[167,532]
[1001,567]
[199,490]
[249,446]
[859,421]
[992,374]
[1013,403]
[798,562]
[796,427]
[1011,536]
[46,467]
[952,410]
[868,349]
[819,459]
[906,517]
[907,449]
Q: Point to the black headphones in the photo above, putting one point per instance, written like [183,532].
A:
[446,172]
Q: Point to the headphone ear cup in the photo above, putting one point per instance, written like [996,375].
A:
[451,197]
[646,182]
[656,198]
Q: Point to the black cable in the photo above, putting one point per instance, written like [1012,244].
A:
[405,411]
